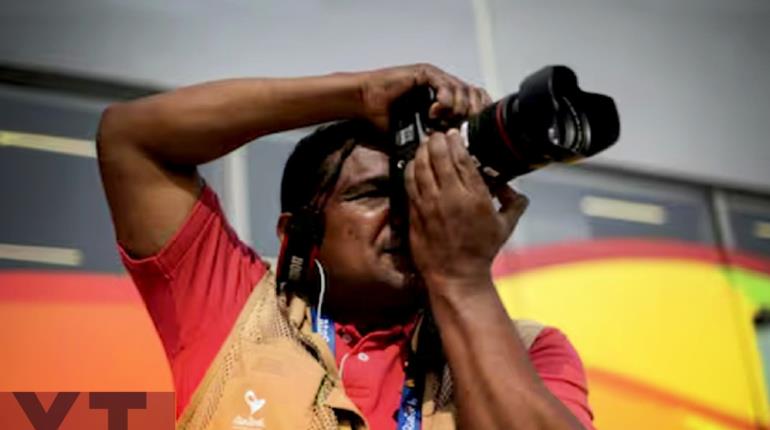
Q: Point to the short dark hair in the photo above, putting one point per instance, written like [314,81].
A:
[310,163]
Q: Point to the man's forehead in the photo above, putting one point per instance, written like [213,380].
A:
[364,163]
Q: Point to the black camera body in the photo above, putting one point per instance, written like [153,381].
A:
[549,120]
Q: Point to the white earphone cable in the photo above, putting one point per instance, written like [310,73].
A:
[320,294]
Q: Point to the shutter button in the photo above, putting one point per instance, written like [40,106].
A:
[362,356]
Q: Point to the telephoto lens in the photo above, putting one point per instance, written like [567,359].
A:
[549,120]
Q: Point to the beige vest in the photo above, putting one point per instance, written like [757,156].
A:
[274,373]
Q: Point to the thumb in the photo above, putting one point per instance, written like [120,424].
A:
[512,206]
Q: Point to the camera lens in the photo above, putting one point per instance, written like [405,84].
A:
[549,120]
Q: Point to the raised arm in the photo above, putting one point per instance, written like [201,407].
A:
[455,233]
[149,148]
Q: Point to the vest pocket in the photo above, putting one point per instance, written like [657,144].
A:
[272,386]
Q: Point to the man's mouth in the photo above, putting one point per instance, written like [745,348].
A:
[399,257]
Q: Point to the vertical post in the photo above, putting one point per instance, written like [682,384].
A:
[486,47]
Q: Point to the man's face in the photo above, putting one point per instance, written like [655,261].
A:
[362,257]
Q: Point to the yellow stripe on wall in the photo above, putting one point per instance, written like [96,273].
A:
[624,210]
[42,142]
[41,254]
[762,230]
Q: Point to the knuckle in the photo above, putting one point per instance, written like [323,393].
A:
[426,66]
[436,138]
[524,202]
[438,146]
[422,72]
[427,70]
[454,139]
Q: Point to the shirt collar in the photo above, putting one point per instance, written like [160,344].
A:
[384,336]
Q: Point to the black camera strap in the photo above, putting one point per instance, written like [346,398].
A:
[305,231]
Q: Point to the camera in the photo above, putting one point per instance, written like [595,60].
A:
[549,120]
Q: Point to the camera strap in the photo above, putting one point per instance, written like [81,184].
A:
[409,411]
[305,231]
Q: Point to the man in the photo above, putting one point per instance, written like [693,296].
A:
[245,354]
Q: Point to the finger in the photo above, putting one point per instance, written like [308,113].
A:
[461,101]
[416,222]
[438,78]
[442,83]
[476,101]
[410,183]
[426,183]
[444,104]
[444,98]
[439,110]
[441,161]
[416,231]
[512,206]
[466,168]
[444,107]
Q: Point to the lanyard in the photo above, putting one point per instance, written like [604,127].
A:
[409,411]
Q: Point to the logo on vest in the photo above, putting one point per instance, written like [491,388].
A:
[255,404]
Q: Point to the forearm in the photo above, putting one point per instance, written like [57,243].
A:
[200,123]
[496,386]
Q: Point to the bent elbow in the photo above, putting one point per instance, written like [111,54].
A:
[109,130]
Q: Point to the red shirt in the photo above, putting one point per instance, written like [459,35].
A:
[196,286]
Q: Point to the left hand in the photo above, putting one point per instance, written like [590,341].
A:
[455,231]
[454,97]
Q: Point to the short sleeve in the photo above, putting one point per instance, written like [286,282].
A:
[561,370]
[194,288]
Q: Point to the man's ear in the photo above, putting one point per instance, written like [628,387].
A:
[283,222]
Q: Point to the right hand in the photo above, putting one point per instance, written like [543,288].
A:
[455,98]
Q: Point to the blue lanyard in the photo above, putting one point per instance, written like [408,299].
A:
[409,412]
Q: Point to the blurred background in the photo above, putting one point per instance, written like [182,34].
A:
[654,257]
